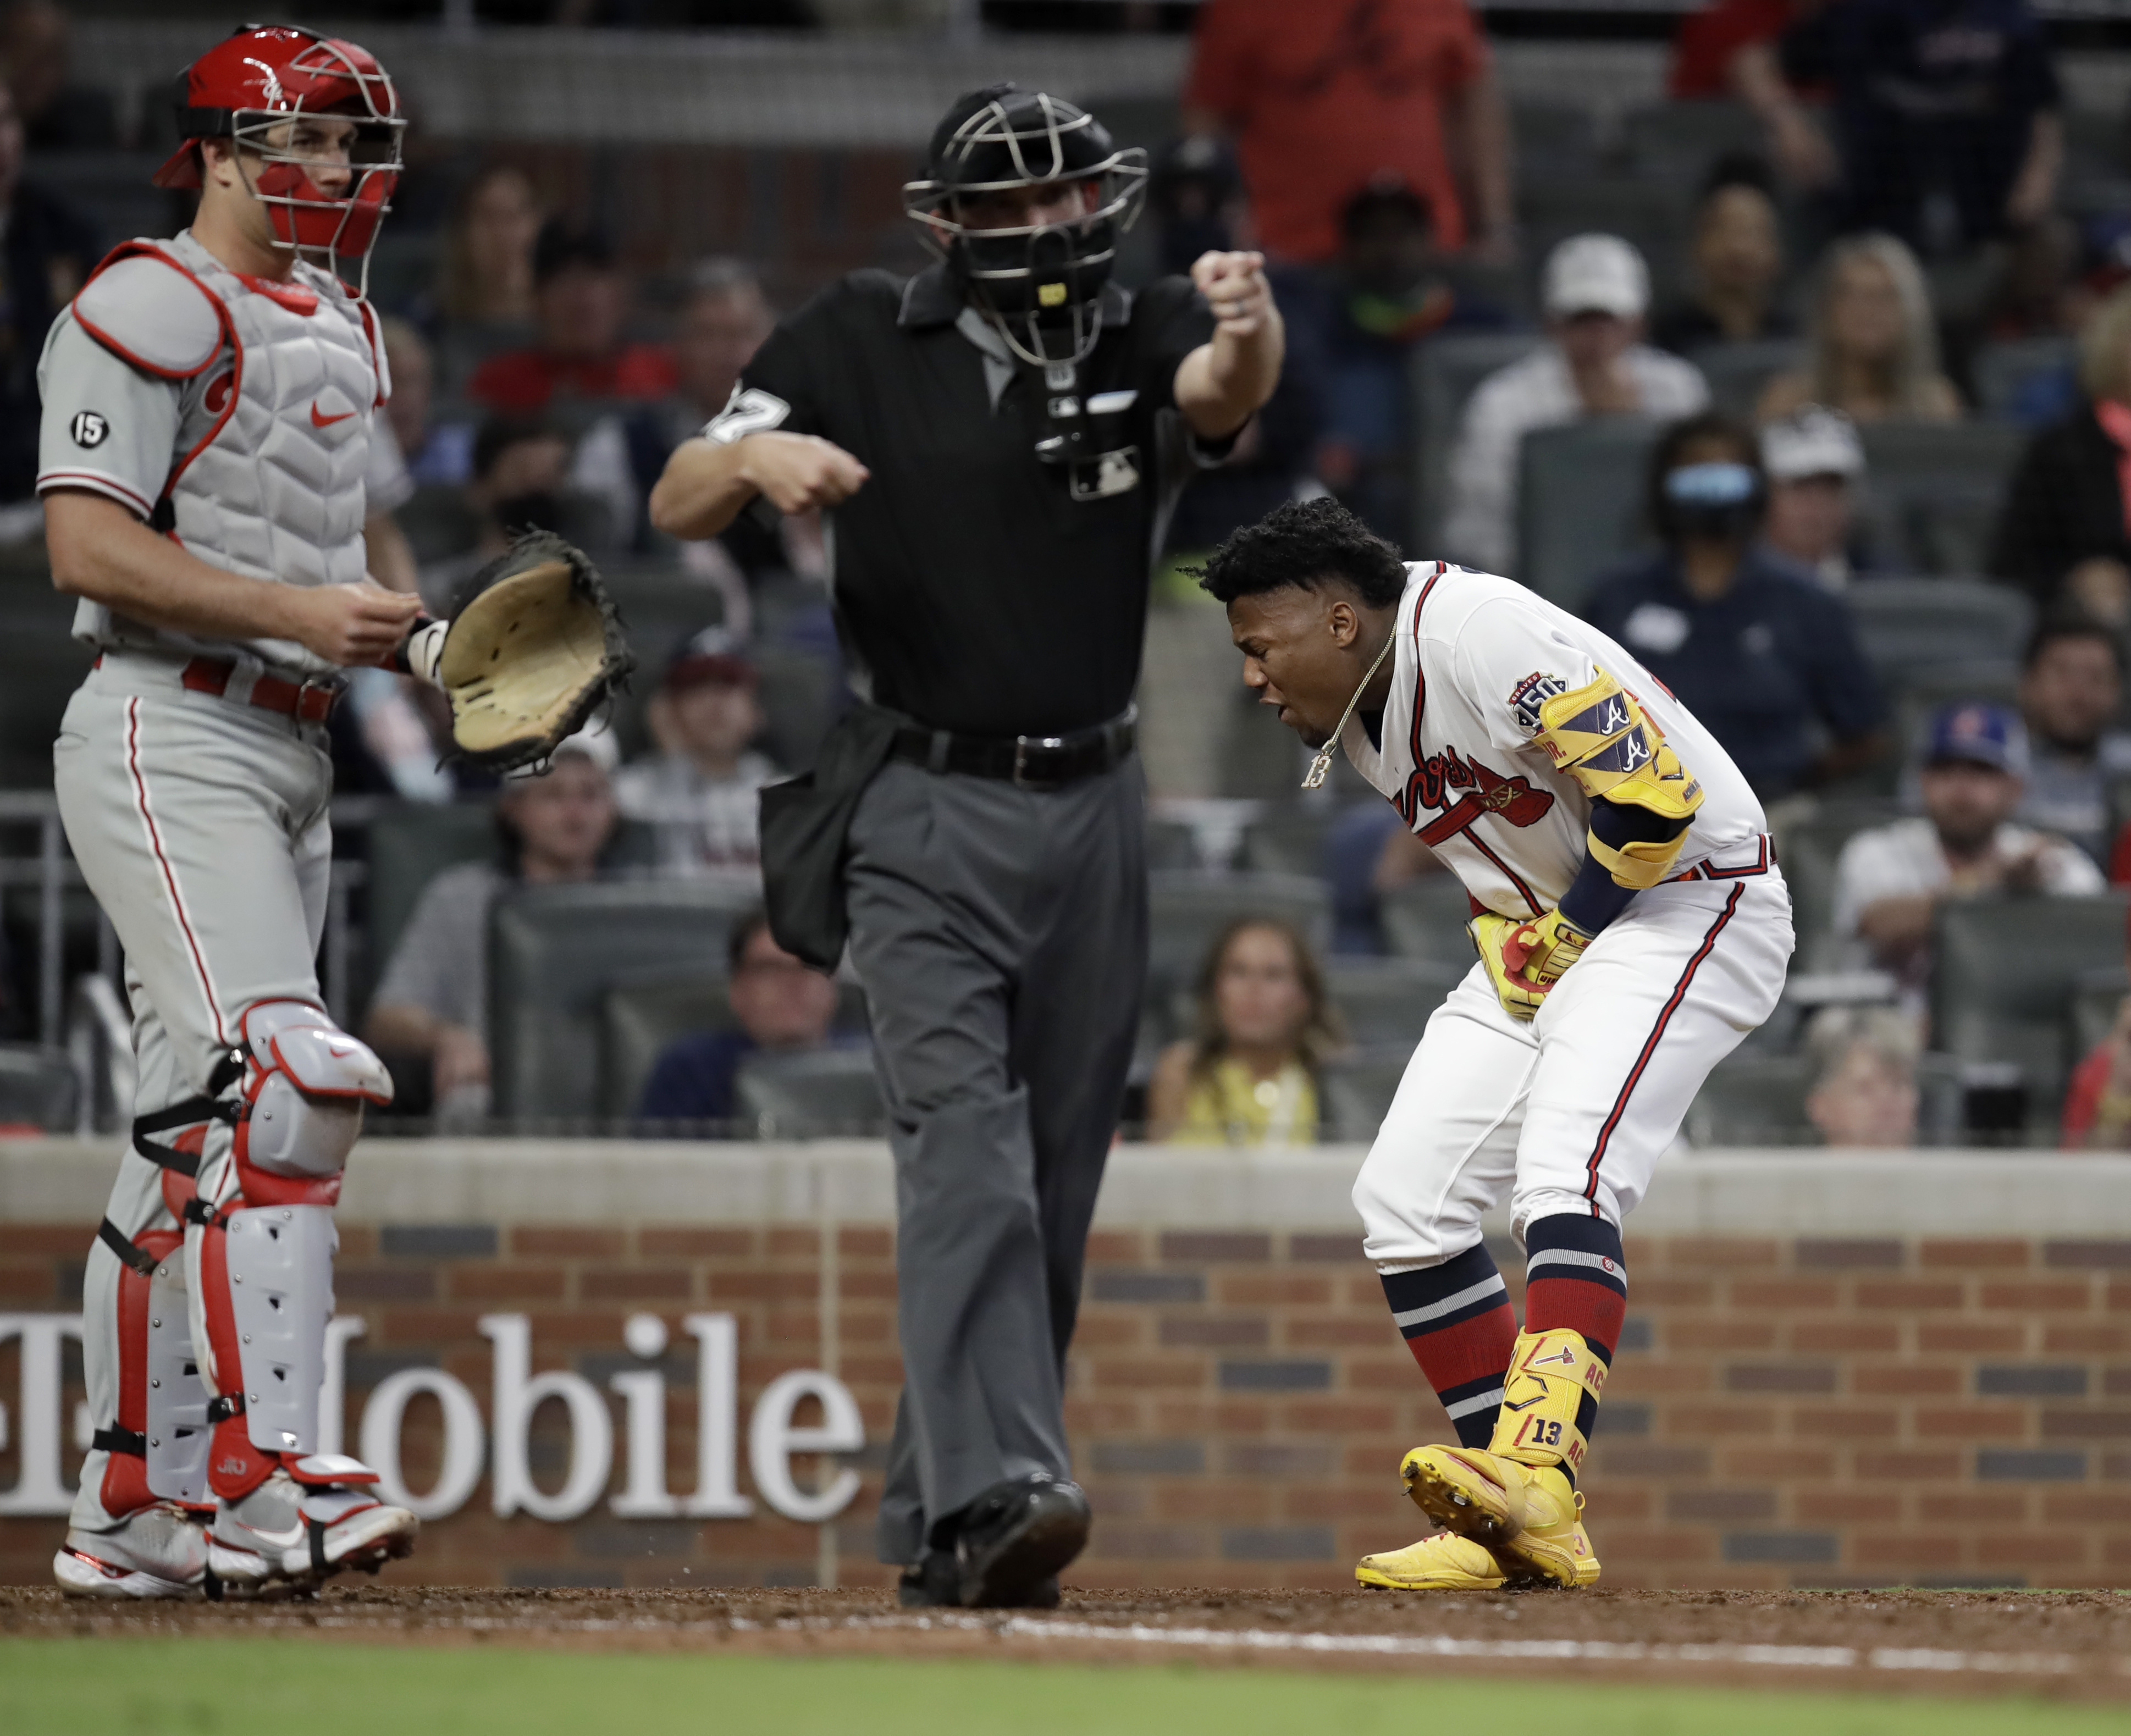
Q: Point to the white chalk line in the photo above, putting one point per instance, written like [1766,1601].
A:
[1911,1658]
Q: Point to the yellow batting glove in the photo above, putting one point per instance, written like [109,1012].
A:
[1525,958]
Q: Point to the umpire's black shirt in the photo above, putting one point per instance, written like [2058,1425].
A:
[974,591]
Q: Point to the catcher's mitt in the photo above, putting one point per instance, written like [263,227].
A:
[534,645]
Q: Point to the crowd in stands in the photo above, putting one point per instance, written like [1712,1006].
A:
[1812,307]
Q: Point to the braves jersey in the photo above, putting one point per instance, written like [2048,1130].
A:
[1476,657]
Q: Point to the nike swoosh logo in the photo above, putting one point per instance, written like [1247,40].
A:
[318,421]
[280,1539]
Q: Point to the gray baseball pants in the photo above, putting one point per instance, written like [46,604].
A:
[201,827]
[1001,936]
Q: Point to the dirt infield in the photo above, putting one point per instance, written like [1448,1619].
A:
[2075,1644]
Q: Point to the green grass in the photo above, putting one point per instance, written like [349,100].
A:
[198,1687]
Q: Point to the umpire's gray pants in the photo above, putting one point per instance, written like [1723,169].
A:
[1001,936]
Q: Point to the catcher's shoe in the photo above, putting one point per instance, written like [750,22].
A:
[299,1533]
[1529,1518]
[1443,1563]
[159,1551]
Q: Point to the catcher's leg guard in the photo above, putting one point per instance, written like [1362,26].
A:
[159,1434]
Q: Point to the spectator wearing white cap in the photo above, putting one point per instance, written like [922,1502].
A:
[1596,291]
[554,826]
[699,791]
[1814,462]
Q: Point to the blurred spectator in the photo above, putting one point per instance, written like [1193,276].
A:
[1356,324]
[488,252]
[1195,194]
[1322,98]
[1595,291]
[57,114]
[699,791]
[1730,49]
[2097,1108]
[1358,844]
[1738,263]
[2071,682]
[47,247]
[1248,1075]
[2066,534]
[1814,462]
[520,481]
[781,1004]
[1864,1090]
[433,453]
[1754,646]
[432,1002]
[1944,111]
[723,318]
[1873,350]
[580,305]
[1888,881]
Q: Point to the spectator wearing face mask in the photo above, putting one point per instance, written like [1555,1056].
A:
[1596,289]
[2072,683]
[1815,464]
[520,482]
[1890,881]
[699,791]
[1750,644]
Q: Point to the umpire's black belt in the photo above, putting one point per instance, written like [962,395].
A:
[1029,761]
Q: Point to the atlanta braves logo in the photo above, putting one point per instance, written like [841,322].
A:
[1513,799]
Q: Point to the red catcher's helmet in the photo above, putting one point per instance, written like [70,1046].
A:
[250,88]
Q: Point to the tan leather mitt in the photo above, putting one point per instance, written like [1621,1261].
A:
[533,647]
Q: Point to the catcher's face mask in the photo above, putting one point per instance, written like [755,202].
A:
[318,126]
[1038,279]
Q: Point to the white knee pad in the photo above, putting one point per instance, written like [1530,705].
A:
[279,1261]
[304,1091]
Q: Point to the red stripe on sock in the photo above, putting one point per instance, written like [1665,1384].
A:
[1592,1309]
[1470,1351]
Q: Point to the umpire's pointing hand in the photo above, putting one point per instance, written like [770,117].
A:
[1234,286]
[798,472]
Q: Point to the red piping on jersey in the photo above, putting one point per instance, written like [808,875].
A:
[1523,890]
[162,861]
[1649,1048]
[53,478]
[377,363]
[1410,811]
[1703,871]
[137,250]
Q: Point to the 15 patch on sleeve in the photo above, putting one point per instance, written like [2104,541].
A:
[88,428]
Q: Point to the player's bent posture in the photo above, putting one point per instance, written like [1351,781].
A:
[202,456]
[1631,927]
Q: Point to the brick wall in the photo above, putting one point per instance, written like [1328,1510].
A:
[1784,1411]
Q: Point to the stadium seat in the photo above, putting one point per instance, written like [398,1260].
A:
[1651,214]
[410,845]
[1354,1093]
[1912,626]
[1444,373]
[39,1088]
[1676,142]
[1188,910]
[1425,919]
[1580,494]
[555,950]
[2096,995]
[818,1094]
[2001,369]
[1933,489]
[1387,1002]
[639,1018]
[1552,137]
[1287,841]
[1809,848]
[1738,373]
[1753,1100]
[2005,971]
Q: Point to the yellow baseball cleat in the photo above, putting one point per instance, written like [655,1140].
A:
[1530,1518]
[1442,1562]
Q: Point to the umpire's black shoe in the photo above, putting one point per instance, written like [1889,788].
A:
[1013,1538]
[931,1582]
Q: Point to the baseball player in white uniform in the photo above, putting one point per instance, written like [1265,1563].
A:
[1632,927]
[207,402]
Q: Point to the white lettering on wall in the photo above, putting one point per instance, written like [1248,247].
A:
[514,1394]
[38,1488]
[772,1439]
[464,1439]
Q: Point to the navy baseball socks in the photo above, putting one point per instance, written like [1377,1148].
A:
[1513,1501]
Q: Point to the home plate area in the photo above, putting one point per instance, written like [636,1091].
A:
[2075,1644]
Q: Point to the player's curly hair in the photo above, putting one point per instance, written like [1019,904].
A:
[1304,543]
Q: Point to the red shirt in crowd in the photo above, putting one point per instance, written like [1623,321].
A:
[1701,51]
[1324,96]
[521,382]
[2090,1079]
